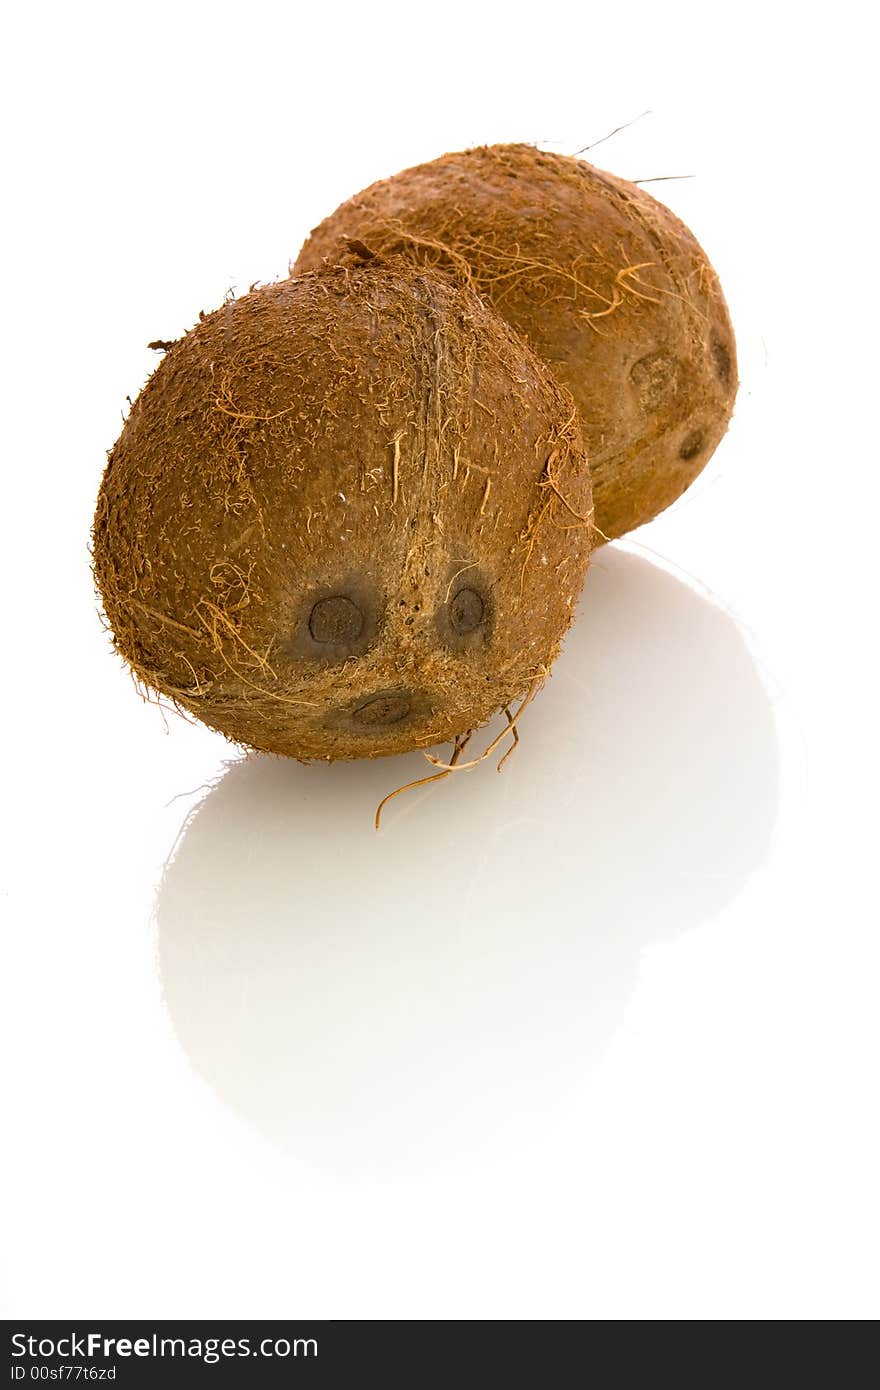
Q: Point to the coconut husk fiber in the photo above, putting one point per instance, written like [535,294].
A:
[610,288]
[349,515]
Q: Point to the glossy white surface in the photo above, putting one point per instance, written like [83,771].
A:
[595,1038]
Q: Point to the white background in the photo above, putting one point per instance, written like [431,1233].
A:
[594,1039]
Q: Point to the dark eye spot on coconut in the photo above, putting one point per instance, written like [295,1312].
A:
[466,612]
[721,359]
[382,710]
[464,615]
[336,620]
[691,445]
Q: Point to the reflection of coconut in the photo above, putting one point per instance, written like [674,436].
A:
[433,994]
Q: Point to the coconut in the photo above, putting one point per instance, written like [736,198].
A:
[349,515]
[611,289]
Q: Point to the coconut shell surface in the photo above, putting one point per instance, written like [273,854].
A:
[611,289]
[349,515]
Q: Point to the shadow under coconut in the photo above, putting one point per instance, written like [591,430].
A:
[431,998]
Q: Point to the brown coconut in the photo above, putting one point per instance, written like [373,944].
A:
[611,289]
[349,515]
